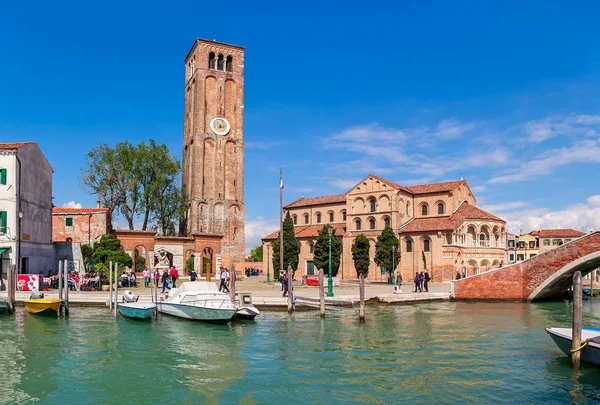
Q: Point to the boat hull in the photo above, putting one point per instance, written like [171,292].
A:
[5,307]
[247,313]
[563,339]
[197,313]
[137,311]
[43,306]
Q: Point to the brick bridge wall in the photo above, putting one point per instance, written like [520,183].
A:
[520,280]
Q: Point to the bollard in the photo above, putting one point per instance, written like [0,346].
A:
[577,319]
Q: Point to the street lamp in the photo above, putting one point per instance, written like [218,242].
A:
[268,276]
[329,279]
[393,262]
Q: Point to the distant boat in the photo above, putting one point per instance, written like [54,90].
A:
[5,306]
[136,310]
[563,337]
[200,301]
[43,306]
[246,310]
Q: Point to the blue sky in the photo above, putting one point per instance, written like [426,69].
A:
[504,94]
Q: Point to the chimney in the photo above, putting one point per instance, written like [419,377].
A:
[97,203]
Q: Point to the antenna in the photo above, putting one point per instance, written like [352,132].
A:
[214,36]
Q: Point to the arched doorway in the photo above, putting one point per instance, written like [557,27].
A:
[207,262]
[139,259]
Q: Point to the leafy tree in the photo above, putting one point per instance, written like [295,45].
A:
[383,250]
[189,264]
[321,253]
[108,249]
[257,253]
[291,247]
[360,256]
[140,262]
[101,176]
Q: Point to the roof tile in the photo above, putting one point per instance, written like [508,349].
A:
[464,211]
[309,231]
[78,210]
[557,233]
[326,199]
[434,187]
[15,145]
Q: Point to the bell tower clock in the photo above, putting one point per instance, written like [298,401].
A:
[213,145]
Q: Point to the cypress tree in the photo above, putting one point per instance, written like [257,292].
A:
[291,247]
[321,253]
[383,250]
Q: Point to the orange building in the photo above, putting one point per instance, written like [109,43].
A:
[81,225]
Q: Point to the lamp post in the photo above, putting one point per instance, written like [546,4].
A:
[329,279]
[268,276]
[393,262]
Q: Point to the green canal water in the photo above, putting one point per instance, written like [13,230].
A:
[429,353]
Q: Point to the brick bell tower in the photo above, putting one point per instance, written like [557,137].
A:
[213,144]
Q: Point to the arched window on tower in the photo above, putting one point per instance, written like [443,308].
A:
[426,245]
[372,204]
[211,60]
[408,245]
[344,215]
[306,218]
[295,218]
[386,221]
[424,209]
[318,217]
[311,247]
[229,64]
[358,224]
[220,62]
[331,217]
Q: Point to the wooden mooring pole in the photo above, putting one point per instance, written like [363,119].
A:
[12,286]
[66,286]
[577,319]
[321,294]
[110,287]
[116,289]
[60,279]
[290,282]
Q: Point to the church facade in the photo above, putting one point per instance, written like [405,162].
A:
[437,222]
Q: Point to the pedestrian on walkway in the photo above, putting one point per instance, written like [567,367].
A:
[156,277]
[165,281]
[284,283]
[421,281]
[457,275]
[174,275]
[146,274]
[193,275]
[417,281]
[223,277]
[427,280]
[398,283]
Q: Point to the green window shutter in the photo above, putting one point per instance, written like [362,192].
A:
[2,221]
[69,222]
[2,176]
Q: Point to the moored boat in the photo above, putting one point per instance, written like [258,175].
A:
[590,353]
[246,310]
[137,310]
[43,305]
[200,301]
[5,306]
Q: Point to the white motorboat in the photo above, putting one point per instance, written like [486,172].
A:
[590,353]
[245,308]
[199,301]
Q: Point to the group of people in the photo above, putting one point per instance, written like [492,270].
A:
[128,279]
[167,277]
[251,271]
[458,275]
[422,281]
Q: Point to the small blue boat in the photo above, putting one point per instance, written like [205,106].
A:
[5,306]
[590,353]
[136,310]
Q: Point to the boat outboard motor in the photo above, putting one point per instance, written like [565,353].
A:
[36,295]
[129,296]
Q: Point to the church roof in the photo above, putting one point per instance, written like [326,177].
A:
[74,211]
[435,187]
[309,231]
[308,201]
[15,145]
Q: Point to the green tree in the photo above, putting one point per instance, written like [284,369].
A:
[189,264]
[321,253]
[383,250]
[291,247]
[360,256]
[108,249]
[257,253]
[140,262]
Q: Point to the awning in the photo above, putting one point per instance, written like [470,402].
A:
[2,250]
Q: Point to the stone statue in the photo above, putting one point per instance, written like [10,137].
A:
[163,259]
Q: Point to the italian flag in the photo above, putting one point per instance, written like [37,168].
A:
[281,186]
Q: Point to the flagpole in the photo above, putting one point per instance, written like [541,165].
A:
[281,222]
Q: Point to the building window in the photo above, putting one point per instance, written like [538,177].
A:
[386,221]
[409,245]
[306,218]
[358,224]
[531,244]
[521,245]
[555,242]
[344,215]
[520,257]
[3,222]
[511,244]
[511,257]
[331,217]
[318,217]
[211,60]
[546,242]
[424,209]
[373,205]
[229,64]
[220,62]
[441,209]
[426,245]
[3,176]
[295,217]
[371,223]
[311,247]
[69,222]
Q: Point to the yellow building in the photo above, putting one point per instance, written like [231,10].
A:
[527,247]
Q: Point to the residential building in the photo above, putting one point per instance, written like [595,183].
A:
[439,222]
[25,208]
[527,247]
[81,225]
[549,239]
[511,247]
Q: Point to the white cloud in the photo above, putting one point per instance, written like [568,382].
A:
[258,228]
[544,129]
[372,140]
[452,129]
[72,204]
[584,217]
[586,151]
[508,206]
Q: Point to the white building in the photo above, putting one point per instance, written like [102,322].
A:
[25,209]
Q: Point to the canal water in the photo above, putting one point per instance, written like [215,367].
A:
[428,353]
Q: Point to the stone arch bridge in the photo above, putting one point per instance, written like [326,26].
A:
[544,276]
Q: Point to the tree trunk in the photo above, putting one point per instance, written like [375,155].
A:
[361,312]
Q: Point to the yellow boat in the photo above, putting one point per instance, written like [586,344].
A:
[43,306]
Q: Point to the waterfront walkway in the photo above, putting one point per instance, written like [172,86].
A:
[270,295]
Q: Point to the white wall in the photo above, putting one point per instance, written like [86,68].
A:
[8,203]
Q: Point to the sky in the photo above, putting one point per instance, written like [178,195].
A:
[504,94]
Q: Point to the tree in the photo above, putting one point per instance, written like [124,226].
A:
[321,253]
[383,250]
[140,262]
[257,253]
[108,249]
[360,256]
[189,264]
[291,247]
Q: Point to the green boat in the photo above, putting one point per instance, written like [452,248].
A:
[136,310]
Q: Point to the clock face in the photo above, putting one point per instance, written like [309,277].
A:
[220,126]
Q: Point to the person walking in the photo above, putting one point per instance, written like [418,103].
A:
[427,280]
[193,275]
[421,280]
[398,283]
[223,277]
[146,274]
[457,275]
[417,281]
[284,283]
[165,281]
[156,277]
[174,275]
